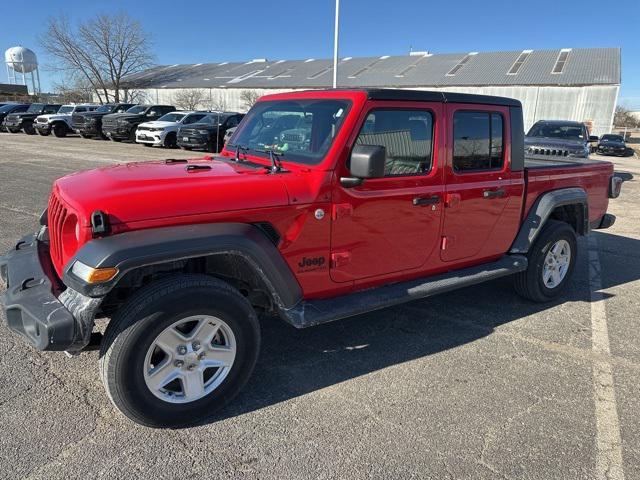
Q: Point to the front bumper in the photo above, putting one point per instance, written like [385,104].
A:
[12,123]
[87,129]
[151,138]
[192,141]
[43,127]
[118,131]
[33,304]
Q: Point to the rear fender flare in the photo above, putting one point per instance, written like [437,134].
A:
[541,210]
[131,250]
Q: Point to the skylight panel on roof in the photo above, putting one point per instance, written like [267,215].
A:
[519,62]
[563,58]
[319,73]
[364,69]
[461,64]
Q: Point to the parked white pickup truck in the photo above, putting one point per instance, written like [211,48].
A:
[60,123]
[162,132]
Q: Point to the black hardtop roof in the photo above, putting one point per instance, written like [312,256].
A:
[443,97]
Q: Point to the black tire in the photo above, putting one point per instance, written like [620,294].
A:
[59,130]
[171,140]
[42,133]
[84,135]
[114,139]
[186,148]
[146,314]
[13,130]
[530,283]
[147,145]
[132,135]
[28,128]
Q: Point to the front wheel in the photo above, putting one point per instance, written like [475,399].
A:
[552,259]
[59,130]
[178,350]
[28,128]
[43,133]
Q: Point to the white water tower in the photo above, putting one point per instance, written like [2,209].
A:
[22,63]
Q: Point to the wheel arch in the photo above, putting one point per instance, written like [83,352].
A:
[570,205]
[239,253]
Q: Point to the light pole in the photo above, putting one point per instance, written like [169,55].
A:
[335,45]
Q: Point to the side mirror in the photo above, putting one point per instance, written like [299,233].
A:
[368,161]
[593,138]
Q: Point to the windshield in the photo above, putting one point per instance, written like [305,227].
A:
[35,108]
[212,119]
[137,109]
[612,138]
[572,132]
[66,109]
[171,117]
[7,108]
[105,108]
[301,130]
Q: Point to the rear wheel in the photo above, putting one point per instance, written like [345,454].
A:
[28,128]
[178,350]
[59,130]
[551,263]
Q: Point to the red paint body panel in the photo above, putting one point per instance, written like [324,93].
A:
[367,235]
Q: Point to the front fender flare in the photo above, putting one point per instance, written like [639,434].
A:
[130,250]
[541,210]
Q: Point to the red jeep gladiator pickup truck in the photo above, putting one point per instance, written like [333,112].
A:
[323,205]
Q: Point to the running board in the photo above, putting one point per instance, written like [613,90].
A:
[316,312]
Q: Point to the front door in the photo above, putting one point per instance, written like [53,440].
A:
[477,181]
[391,224]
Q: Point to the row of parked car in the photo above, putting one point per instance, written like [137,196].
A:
[149,125]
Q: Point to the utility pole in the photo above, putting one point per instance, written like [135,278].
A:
[335,45]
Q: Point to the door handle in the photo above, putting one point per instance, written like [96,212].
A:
[500,192]
[421,201]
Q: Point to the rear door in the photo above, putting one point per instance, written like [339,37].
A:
[391,224]
[477,181]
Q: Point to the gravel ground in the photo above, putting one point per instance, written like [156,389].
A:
[472,384]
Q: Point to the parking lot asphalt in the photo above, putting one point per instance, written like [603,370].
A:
[476,383]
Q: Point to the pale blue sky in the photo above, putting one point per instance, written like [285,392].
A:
[198,31]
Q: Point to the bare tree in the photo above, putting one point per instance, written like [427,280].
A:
[101,51]
[624,118]
[189,98]
[74,90]
[248,98]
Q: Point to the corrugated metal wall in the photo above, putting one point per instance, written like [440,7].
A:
[588,103]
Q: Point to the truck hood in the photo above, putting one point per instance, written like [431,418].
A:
[116,116]
[153,190]
[158,124]
[55,116]
[554,142]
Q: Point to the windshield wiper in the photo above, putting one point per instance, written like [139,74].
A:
[239,148]
[276,166]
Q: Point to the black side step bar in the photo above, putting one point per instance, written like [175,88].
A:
[316,312]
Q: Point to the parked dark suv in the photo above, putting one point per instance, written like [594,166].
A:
[561,138]
[613,145]
[9,108]
[122,126]
[89,124]
[14,122]
[208,133]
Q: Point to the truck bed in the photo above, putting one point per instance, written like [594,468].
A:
[550,173]
[540,161]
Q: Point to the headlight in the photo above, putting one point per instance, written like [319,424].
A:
[93,275]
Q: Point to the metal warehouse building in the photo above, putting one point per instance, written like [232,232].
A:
[572,84]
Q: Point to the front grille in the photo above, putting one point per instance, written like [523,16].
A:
[41,120]
[56,216]
[188,132]
[109,122]
[556,152]
[292,137]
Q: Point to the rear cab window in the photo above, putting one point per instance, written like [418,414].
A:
[478,140]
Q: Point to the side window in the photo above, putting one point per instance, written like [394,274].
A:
[193,119]
[81,109]
[407,136]
[477,141]
[51,109]
[232,122]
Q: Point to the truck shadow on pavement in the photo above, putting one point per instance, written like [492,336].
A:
[296,362]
